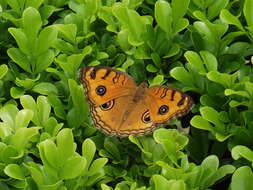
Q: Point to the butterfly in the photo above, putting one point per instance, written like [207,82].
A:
[120,108]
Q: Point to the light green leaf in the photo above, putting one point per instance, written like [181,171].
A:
[23,118]
[45,88]
[14,171]
[242,179]
[73,167]
[21,39]
[32,22]
[88,150]
[242,151]
[163,15]
[179,9]
[97,165]
[49,154]
[182,75]
[200,123]
[248,11]
[8,114]
[46,39]
[20,58]
[3,70]
[228,18]
[23,136]
[44,60]
[44,109]
[65,144]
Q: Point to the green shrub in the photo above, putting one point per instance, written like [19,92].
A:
[47,140]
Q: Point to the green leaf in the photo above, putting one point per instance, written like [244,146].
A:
[65,144]
[17,92]
[45,88]
[162,183]
[28,102]
[3,70]
[46,39]
[163,15]
[132,21]
[44,60]
[73,167]
[222,172]
[248,11]
[23,136]
[229,92]
[8,114]
[70,64]
[242,151]
[179,9]
[88,150]
[211,163]
[79,112]
[215,8]
[209,60]
[180,74]
[14,171]
[49,154]
[180,25]
[127,63]
[32,23]
[97,165]
[67,31]
[44,109]
[104,187]
[102,55]
[23,118]
[112,149]
[194,59]
[228,18]
[156,59]
[171,141]
[151,68]
[226,80]
[211,115]
[21,39]
[27,83]
[157,80]
[242,179]
[36,4]
[174,50]
[122,39]
[15,5]
[249,88]
[200,123]
[20,58]
[138,143]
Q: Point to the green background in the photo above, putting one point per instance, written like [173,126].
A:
[203,47]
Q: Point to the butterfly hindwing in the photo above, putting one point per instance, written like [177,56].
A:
[108,119]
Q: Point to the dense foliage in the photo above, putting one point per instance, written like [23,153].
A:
[47,140]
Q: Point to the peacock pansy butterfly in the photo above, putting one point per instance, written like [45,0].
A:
[121,108]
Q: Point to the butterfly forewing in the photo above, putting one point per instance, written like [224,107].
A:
[115,84]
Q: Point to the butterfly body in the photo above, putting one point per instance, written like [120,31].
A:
[121,108]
